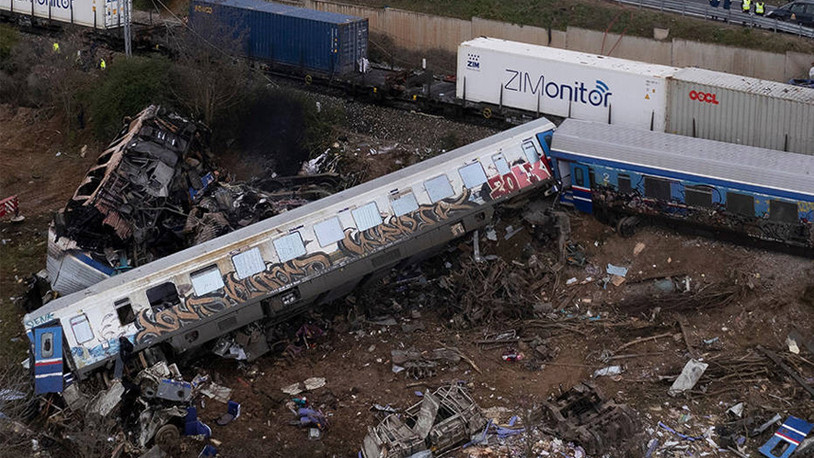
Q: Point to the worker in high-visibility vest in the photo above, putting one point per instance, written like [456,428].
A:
[746,5]
[56,47]
[760,8]
[102,65]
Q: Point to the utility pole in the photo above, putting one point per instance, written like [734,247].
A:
[126,10]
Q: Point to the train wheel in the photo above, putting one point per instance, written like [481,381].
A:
[486,112]
[308,79]
[167,437]
[626,226]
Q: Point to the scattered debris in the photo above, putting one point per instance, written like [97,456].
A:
[608,371]
[792,432]
[689,376]
[232,412]
[309,384]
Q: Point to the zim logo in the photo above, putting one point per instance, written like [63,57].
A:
[704,97]
[473,61]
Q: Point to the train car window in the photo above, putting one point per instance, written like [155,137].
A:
[403,204]
[329,231]
[163,296]
[623,181]
[501,164]
[206,280]
[47,342]
[698,196]
[125,311]
[657,188]
[472,175]
[531,152]
[579,177]
[784,212]
[289,246]
[438,188]
[740,204]
[367,216]
[81,329]
[248,263]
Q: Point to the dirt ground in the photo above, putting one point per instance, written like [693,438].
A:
[583,325]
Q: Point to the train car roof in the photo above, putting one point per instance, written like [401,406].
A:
[384,183]
[572,57]
[761,167]
[286,10]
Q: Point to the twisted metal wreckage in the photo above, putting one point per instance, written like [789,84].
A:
[154,191]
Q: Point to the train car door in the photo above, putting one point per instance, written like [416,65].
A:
[48,360]
[581,187]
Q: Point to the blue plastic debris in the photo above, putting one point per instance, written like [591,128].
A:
[792,432]
[195,427]
[683,436]
[232,412]
[616,270]
[311,417]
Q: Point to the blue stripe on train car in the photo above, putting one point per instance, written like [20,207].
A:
[309,40]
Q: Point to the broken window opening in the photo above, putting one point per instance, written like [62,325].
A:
[624,184]
[47,344]
[698,196]
[740,204]
[367,216]
[404,204]
[329,231]
[784,212]
[206,280]
[81,329]
[125,311]
[289,246]
[657,188]
[438,188]
[579,177]
[248,263]
[163,296]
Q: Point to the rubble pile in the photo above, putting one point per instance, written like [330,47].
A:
[156,190]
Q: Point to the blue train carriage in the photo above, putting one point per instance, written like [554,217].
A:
[276,267]
[625,175]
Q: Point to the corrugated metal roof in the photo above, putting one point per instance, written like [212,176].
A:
[286,10]
[746,84]
[726,161]
[589,60]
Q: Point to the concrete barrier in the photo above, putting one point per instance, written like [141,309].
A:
[421,32]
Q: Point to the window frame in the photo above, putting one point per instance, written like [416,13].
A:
[83,320]
[476,166]
[121,304]
[698,189]
[333,240]
[438,179]
[288,236]
[660,181]
[359,211]
[730,203]
[399,197]
[245,254]
[205,274]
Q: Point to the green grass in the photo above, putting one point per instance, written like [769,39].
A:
[602,16]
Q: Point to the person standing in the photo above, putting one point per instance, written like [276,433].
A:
[714,4]
[811,72]
[760,8]
[746,6]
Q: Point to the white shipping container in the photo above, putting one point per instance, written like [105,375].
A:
[739,109]
[99,14]
[563,83]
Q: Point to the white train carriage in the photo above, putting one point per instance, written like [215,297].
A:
[274,268]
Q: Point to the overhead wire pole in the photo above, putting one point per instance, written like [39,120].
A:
[128,4]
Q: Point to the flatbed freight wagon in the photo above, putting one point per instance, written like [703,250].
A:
[284,36]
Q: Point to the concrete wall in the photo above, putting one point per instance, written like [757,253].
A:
[421,32]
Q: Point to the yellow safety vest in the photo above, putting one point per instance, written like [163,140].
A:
[102,65]
[759,7]
[56,47]
[747,5]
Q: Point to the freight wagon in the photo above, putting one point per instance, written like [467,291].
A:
[105,14]
[274,268]
[284,36]
[496,75]
[625,175]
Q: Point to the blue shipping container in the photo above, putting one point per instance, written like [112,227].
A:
[309,40]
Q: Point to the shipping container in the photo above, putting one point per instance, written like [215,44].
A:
[563,83]
[312,41]
[739,109]
[101,14]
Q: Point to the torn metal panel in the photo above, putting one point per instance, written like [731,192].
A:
[426,416]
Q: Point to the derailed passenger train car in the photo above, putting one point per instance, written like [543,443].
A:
[272,269]
[623,175]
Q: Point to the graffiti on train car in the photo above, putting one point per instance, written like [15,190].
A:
[151,325]
[234,292]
